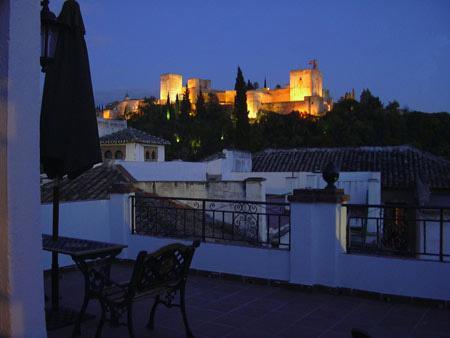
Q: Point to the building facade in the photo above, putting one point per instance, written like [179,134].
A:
[130,144]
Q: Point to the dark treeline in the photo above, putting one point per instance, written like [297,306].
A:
[210,127]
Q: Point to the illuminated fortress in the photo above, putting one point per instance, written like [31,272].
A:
[304,93]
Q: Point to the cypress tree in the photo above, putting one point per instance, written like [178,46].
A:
[200,106]
[168,108]
[185,107]
[240,112]
[177,104]
[250,85]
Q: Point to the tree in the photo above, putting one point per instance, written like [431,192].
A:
[349,123]
[250,85]
[185,108]
[200,106]
[177,104]
[240,112]
[393,107]
[168,108]
[369,101]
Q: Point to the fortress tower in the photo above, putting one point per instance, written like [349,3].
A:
[305,82]
[172,85]
[196,85]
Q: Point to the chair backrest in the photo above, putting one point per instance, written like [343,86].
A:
[165,268]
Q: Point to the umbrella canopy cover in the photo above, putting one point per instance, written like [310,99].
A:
[69,133]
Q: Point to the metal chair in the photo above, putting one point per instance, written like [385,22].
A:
[161,274]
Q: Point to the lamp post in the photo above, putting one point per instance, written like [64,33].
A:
[49,35]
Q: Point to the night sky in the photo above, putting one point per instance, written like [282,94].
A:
[398,49]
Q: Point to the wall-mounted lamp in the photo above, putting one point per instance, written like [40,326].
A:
[49,35]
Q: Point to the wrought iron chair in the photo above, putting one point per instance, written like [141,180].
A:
[161,274]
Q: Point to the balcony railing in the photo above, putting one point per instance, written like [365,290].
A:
[260,224]
[399,230]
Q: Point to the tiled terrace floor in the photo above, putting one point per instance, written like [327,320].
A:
[219,308]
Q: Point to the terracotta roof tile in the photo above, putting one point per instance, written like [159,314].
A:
[131,135]
[94,184]
[399,165]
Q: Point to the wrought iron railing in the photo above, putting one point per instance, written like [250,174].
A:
[262,224]
[399,230]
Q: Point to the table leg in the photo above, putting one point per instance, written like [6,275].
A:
[77,330]
[55,282]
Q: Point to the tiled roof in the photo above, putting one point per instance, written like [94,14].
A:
[399,165]
[94,184]
[131,135]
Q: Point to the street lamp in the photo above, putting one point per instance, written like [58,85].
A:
[49,35]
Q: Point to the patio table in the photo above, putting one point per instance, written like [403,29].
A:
[92,258]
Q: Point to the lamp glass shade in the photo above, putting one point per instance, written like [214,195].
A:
[49,37]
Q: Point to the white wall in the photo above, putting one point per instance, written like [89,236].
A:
[21,283]
[240,260]
[317,254]
[161,153]
[406,277]
[86,219]
[106,127]
[362,187]
[166,171]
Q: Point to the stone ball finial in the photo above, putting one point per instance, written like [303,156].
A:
[330,175]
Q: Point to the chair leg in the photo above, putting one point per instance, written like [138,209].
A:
[76,330]
[151,320]
[130,320]
[183,312]
[98,333]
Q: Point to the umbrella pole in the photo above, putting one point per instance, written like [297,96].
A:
[55,235]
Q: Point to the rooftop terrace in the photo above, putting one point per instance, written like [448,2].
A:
[223,308]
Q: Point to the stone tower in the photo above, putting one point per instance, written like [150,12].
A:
[172,85]
[305,82]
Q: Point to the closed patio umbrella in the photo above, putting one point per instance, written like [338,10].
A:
[69,143]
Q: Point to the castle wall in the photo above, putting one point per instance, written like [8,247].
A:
[312,105]
[131,106]
[172,85]
[254,98]
[197,84]
[278,95]
[285,108]
[226,96]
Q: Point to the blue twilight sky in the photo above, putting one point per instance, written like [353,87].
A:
[398,49]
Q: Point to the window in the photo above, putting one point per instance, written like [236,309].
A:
[118,155]
[150,154]
[108,154]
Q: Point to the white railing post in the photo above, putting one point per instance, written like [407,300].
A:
[120,215]
[318,235]
[255,190]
